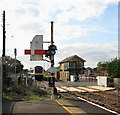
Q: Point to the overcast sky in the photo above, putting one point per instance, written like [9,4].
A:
[87,28]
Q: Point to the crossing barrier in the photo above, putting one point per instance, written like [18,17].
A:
[90,79]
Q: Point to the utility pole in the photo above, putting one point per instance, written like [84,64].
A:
[4,34]
[52,62]
[15,52]
[3,55]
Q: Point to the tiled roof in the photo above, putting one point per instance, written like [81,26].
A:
[71,58]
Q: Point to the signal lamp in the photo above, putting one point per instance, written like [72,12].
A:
[52,52]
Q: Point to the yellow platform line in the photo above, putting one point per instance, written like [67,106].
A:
[64,107]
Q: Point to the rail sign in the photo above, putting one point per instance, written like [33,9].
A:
[36,44]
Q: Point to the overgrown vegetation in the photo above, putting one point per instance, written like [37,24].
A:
[112,67]
[6,98]
[21,92]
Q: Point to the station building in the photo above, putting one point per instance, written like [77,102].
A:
[72,65]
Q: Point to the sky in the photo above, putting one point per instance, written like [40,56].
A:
[87,28]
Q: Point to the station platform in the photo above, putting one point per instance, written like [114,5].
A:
[59,106]
[33,107]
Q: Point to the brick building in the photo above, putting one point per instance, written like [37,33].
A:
[70,66]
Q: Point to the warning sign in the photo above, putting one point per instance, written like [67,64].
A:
[37,43]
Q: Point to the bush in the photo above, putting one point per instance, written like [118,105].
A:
[113,68]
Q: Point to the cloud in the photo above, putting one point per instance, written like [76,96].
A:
[101,29]
[67,32]
[35,26]
[20,11]
[34,11]
[30,17]
[83,10]
[92,53]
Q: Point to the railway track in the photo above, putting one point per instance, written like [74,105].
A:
[103,98]
[107,92]
[103,95]
[106,99]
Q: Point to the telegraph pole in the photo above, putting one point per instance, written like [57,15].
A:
[3,55]
[15,52]
[4,34]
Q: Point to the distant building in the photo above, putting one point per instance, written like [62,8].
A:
[70,66]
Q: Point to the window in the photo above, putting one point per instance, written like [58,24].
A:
[65,66]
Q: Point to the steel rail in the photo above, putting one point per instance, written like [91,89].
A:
[110,93]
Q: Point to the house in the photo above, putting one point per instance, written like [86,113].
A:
[70,66]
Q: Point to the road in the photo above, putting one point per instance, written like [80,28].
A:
[68,83]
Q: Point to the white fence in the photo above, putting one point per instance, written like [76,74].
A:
[88,79]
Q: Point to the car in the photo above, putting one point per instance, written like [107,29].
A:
[92,75]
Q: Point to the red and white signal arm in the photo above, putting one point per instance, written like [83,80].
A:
[36,51]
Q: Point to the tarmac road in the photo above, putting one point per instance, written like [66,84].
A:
[67,83]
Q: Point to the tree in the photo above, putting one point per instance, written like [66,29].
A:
[101,67]
[25,71]
[113,68]
[10,65]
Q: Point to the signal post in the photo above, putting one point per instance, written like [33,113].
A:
[49,54]
[52,64]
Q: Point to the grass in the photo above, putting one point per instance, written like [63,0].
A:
[34,97]
[6,98]
[25,93]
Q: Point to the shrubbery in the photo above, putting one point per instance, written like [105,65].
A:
[113,68]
